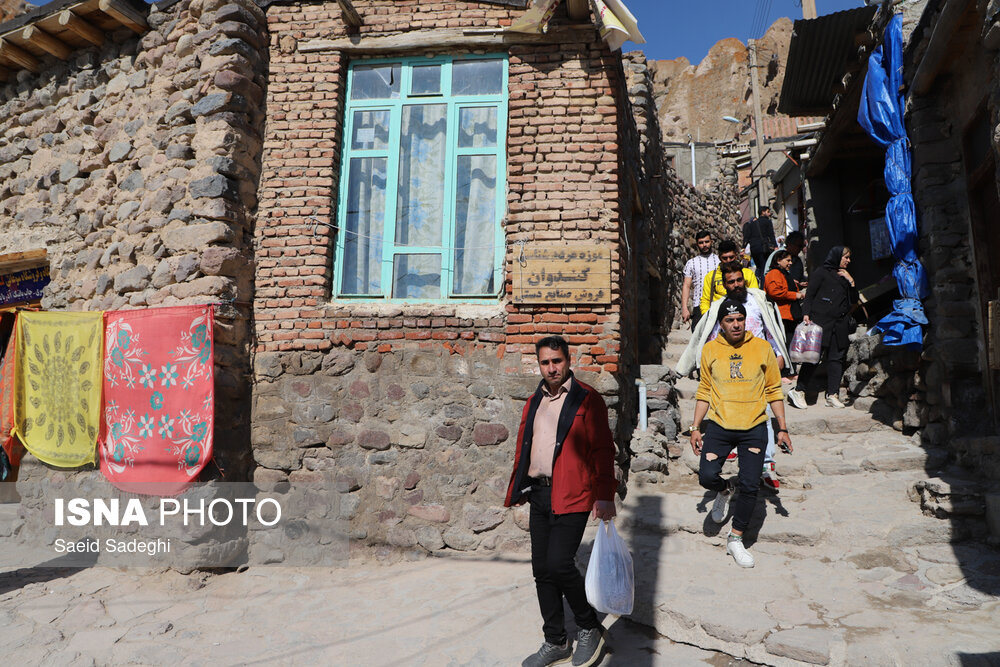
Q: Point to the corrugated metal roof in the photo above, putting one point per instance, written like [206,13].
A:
[820,52]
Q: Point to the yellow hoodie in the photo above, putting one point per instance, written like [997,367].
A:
[738,381]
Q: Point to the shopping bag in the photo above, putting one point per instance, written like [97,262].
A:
[610,581]
[807,341]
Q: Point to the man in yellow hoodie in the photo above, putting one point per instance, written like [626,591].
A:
[739,378]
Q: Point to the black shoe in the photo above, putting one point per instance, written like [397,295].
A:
[549,654]
[589,644]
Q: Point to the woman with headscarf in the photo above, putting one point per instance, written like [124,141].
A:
[829,300]
[782,289]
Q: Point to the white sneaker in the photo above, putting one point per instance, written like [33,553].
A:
[833,401]
[720,508]
[798,399]
[735,548]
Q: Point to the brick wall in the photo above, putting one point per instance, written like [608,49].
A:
[563,164]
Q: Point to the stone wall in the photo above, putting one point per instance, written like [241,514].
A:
[135,166]
[416,406]
[675,210]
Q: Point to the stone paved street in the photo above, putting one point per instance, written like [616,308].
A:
[849,571]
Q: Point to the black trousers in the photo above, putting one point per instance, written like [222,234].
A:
[759,261]
[720,441]
[695,316]
[555,539]
[834,369]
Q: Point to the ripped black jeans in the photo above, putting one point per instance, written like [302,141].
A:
[720,441]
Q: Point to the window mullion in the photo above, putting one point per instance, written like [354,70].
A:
[500,250]
[391,189]
[345,174]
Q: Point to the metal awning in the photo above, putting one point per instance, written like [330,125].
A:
[822,50]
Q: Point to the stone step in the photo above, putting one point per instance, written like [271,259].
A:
[670,513]
[10,520]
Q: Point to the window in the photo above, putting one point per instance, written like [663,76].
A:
[422,189]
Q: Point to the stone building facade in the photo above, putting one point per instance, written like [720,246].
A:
[134,165]
[416,405]
[201,157]
[946,391]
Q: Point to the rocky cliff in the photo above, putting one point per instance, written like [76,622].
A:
[692,100]
[11,8]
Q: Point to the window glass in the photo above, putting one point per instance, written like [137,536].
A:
[476,77]
[422,170]
[376,82]
[422,148]
[477,127]
[371,130]
[416,276]
[363,231]
[426,80]
[475,224]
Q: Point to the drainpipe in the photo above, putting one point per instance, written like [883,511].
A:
[642,403]
[694,172]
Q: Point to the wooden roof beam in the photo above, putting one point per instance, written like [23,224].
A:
[579,10]
[80,27]
[351,16]
[45,41]
[124,14]
[19,56]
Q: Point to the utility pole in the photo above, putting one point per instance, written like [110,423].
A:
[759,125]
[808,9]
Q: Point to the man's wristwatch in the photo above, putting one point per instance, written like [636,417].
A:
[694,427]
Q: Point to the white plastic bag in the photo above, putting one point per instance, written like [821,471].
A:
[610,580]
[807,342]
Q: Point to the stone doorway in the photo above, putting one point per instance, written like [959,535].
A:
[984,210]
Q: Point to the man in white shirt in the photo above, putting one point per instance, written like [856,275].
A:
[695,271]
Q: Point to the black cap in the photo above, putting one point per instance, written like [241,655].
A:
[731,307]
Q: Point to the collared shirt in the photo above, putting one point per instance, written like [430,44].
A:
[543,432]
[754,324]
[696,269]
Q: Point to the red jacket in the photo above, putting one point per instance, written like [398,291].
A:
[583,467]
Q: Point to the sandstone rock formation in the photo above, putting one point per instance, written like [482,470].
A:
[11,8]
[693,99]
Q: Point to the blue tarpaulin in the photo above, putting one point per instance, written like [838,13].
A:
[881,115]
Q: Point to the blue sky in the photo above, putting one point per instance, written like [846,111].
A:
[689,28]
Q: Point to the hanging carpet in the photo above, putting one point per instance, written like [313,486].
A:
[158,398]
[57,385]
[8,441]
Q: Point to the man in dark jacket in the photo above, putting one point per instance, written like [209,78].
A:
[759,234]
[564,467]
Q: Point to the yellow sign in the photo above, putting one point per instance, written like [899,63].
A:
[562,274]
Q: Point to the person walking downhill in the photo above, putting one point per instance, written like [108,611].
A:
[782,289]
[739,379]
[714,288]
[695,271]
[829,300]
[759,235]
[563,467]
[762,320]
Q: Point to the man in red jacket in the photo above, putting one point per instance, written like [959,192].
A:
[564,467]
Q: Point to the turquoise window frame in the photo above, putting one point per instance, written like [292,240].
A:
[447,250]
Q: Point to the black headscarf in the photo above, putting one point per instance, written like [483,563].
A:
[832,261]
